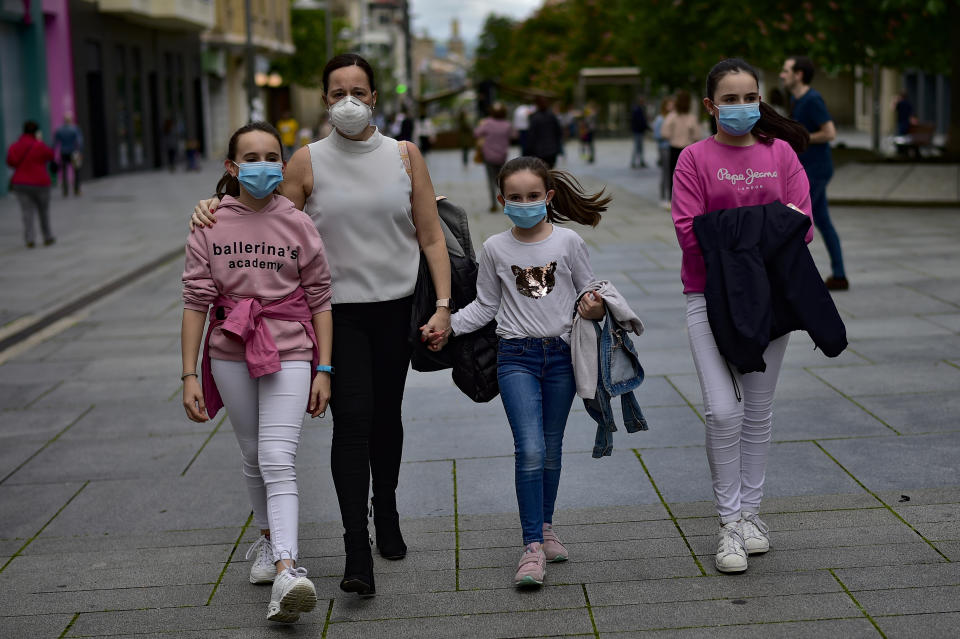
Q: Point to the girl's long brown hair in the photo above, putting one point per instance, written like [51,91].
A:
[569,203]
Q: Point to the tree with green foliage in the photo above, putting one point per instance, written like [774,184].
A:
[674,42]
[308,31]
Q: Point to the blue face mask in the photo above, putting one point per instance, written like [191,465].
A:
[526,214]
[259,179]
[738,119]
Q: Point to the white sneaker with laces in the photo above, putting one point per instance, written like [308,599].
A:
[292,594]
[756,537]
[263,570]
[731,555]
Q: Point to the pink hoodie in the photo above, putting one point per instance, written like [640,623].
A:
[263,255]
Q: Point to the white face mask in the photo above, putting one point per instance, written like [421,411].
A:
[350,115]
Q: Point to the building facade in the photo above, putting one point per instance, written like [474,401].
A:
[138,81]
[225,64]
[36,82]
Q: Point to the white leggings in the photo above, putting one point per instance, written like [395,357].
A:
[267,415]
[738,432]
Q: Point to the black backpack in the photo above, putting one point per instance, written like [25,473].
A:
[473,357]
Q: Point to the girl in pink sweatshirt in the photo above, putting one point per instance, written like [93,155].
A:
[262,273]
[752,160]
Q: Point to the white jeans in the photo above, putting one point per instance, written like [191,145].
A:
[267,416]
[738,432]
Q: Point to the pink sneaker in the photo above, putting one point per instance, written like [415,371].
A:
[532,566]
[552,548]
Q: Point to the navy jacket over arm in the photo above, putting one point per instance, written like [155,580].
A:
[762,283]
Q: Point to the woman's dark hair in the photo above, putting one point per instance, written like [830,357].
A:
[771,124]
[498,111]
[30,127]
[347,60]
[569,202]
[681,103]
[228,184]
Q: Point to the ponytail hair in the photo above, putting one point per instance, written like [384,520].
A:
[569,203]
[228,184]
[771,125]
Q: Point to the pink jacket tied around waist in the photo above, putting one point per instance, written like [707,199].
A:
[243,320]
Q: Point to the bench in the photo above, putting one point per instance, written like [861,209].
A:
[919,138]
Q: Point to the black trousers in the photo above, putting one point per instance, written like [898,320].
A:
[371,356]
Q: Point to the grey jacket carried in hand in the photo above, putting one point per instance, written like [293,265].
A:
[606,357]
[584,349]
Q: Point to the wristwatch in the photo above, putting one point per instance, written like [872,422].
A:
[444,303]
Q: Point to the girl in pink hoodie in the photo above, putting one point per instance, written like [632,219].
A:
[262,273]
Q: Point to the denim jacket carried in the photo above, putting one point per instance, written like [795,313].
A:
[618,367]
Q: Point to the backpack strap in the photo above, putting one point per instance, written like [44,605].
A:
[405,158]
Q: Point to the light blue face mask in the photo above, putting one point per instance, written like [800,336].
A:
[738,119]
[526,214]
[259,179]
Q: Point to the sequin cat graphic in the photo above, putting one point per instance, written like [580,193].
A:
[535,281]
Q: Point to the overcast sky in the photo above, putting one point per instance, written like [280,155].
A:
[435,15]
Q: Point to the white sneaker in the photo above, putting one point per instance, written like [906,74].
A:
[756,537]
[292,594]
[731,556]
[263,570]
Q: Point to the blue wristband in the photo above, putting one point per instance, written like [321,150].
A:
[323,368]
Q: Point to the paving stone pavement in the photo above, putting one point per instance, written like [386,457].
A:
[120,518]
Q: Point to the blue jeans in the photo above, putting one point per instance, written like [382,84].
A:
[821,219]
[537,389]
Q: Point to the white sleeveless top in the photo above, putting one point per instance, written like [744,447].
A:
[360,203]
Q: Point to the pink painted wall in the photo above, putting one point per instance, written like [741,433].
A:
[59,60]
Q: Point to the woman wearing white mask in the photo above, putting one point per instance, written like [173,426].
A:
[375,218]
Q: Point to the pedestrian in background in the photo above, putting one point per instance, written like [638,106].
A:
[376,216]
[171,143]
[663,150]
[808,108]
[639,125]
[904,111]
[545,135]
[267,353]
[521,124]
[30,182]
[587,126]
[681,128]
[494,134]
[529,277]
[426,133]
[738,408]
[464,137]
[288,126]
[69,140]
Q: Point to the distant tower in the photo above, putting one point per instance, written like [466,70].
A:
[455,45]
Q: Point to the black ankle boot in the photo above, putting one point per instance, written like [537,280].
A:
[358,571]
[387,523]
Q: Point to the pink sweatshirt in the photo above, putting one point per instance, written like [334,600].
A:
[711,176]
[264,255]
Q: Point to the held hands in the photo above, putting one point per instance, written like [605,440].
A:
[319,394]
[203,213]
[193,400]
[436,332]
[591,307]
